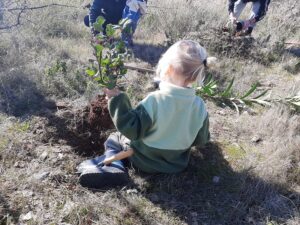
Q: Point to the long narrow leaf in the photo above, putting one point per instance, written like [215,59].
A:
[262,94]
[228,89]
[251,90]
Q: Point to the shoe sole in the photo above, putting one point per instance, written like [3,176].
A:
[101,180]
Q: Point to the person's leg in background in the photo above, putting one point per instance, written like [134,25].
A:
[239,6]
[86,21]
[94,13]
[132,12]
[254,12]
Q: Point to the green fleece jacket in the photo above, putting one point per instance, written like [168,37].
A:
[163,127]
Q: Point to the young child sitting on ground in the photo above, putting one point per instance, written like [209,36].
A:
[160,131]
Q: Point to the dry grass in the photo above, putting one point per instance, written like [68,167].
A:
[255,155]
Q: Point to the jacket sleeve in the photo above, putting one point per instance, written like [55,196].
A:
[203,135]
[231,5]
[262,10]
[132,123]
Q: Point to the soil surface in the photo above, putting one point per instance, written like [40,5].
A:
[85,129]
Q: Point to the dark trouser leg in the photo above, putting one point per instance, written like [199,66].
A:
[86,21]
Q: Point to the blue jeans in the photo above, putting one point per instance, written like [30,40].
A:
[116,143]
[134,18]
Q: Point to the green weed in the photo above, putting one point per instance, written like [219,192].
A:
[58,67]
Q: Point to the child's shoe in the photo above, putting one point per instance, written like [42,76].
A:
[106,176]
[89,164]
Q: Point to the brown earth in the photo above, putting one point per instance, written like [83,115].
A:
[99,118]
[84,129]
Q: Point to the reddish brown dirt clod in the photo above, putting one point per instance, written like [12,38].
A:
[99,117]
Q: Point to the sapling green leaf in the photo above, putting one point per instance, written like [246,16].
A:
[91,72]
[110,31]
[98,25]
[110,54]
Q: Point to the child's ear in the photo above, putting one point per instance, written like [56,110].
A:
[170,70]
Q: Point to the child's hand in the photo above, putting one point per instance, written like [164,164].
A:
[111,93]
[119,156]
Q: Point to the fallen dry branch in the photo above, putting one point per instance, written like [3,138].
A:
[139,69]
[292,43]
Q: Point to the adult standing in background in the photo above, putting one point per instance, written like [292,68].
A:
[115,10]
[258,11]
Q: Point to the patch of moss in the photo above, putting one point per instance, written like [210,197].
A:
[20,127]
[234,151]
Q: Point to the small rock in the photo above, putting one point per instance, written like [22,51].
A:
[61,105]
[216,179]
[44,156]
[256,139]
[60,156]
[19,164]
[27,193]
[47,216]
[41,176]
[221,112]
[68,207]
[245,113]
[27,216]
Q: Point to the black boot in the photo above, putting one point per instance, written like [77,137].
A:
[248,31]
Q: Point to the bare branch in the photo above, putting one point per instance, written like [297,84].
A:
[38,7]
[25,8]
[18,22]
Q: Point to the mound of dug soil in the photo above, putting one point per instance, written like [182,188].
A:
[85,130]
[98,117]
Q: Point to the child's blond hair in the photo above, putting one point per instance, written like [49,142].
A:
[187,58]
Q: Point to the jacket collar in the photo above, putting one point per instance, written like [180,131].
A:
[175,90]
